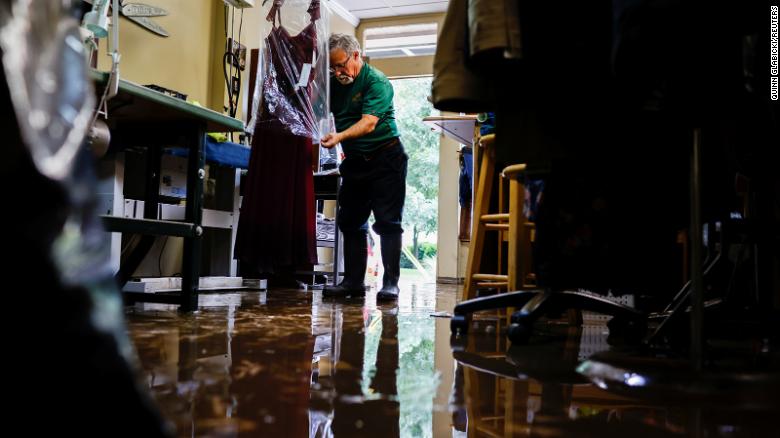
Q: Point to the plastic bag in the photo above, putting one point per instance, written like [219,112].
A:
[44,62]
[53,100]
[373,259]
[292,89]
[331,158]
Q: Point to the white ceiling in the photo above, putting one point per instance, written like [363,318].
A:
[362,9]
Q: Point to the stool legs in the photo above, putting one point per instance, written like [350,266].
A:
[484,190]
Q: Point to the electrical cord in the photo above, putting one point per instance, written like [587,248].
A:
[232,98]
[159,258]
[238,64]
[227,56]
[229,61]
[232,35]
[240,26]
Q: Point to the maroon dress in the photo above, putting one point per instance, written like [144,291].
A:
[277,228]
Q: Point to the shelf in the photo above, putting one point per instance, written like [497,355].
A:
[459,128]
[136,103]
[167,212]
[149,227]
[326,244]
[173,284]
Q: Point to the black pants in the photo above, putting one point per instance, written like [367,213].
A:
[373,183]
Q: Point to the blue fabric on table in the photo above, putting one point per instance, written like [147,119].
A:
[225,153]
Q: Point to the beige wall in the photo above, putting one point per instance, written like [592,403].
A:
[340,25]
[180,62]
[412,66]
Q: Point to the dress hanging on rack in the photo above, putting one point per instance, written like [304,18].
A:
[277,228]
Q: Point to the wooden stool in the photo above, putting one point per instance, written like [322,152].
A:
[513,226]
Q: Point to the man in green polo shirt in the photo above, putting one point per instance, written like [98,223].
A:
[374,170]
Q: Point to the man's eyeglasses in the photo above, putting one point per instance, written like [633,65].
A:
[335,67]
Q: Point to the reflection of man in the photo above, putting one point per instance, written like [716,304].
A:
[374,171]
[376,416]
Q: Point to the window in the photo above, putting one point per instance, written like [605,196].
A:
[400,41]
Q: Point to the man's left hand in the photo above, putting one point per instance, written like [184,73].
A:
[330,140]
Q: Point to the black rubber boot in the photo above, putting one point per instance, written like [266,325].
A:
[391,260]
[355,254]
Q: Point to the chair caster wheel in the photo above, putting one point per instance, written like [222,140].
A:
[457,343]
[459,324]
[519,332]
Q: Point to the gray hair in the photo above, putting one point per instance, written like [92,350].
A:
[347,43]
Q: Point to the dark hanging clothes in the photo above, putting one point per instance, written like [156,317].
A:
[277,228]
[466,177]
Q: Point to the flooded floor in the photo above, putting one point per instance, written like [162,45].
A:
[288,364]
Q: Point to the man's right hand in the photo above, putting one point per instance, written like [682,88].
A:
[330,140]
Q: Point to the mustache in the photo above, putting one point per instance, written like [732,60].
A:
[344,79]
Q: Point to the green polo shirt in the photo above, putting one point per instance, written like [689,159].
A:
[370,93]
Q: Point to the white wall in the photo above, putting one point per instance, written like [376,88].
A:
[448,243]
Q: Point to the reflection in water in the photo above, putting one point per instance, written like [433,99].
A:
[237,368]
[379,377]
[356,402]
[287,364]
[417,379]
[534,390]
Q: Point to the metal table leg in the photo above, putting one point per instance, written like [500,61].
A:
[193,214]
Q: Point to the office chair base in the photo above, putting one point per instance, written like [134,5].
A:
[462,313]
[630,322]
